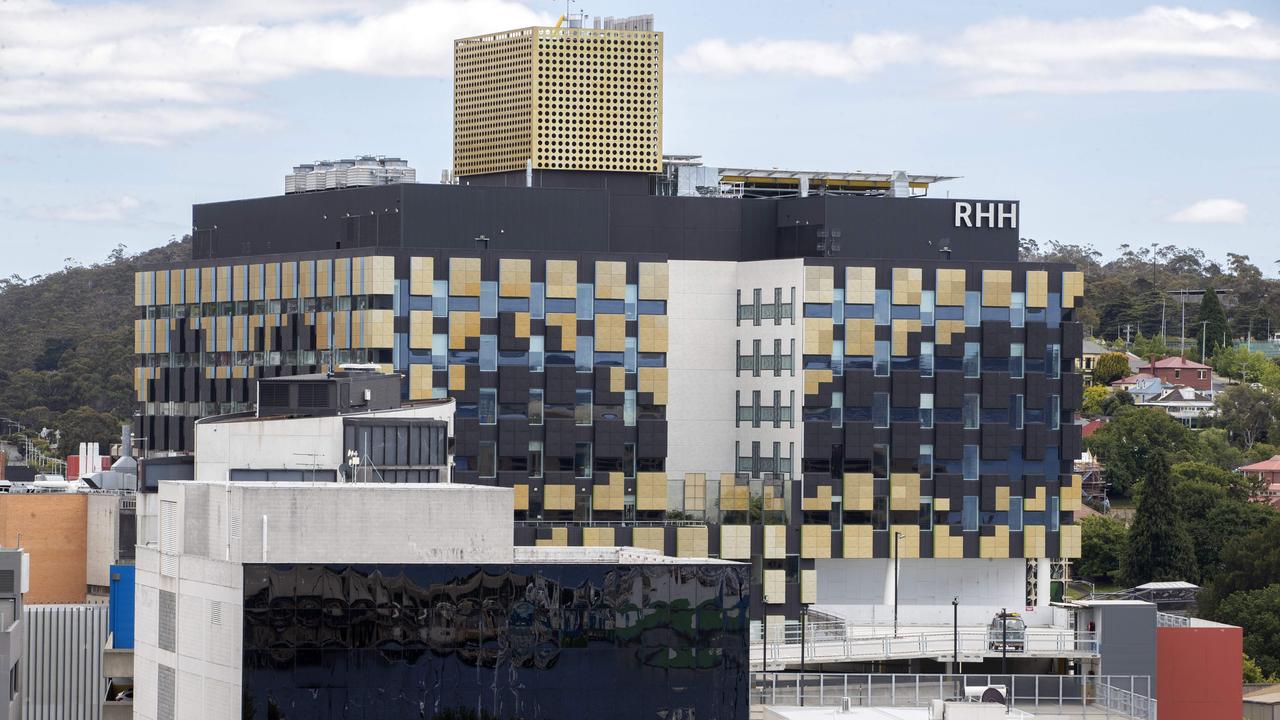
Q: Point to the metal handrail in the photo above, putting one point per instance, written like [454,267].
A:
[835,642]
[609,523]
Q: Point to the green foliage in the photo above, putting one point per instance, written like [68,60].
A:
[1213,335]
[1129,444]
[1094,396]
[1249,413]
[1258,612]
[1149,347]
[1253,673]
[1248,561]
[1116,401]
[1233,484]
[1215,448]
[1110,367]
[1103,542]
[1214,515]
[1159,545]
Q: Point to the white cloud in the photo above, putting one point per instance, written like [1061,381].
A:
[861,56]
[1214,210]
[130,72]
[116,210]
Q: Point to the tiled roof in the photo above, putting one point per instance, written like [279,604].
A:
[1176,362]
[1272,465]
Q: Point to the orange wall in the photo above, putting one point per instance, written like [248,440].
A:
[1198,672]
[53,528]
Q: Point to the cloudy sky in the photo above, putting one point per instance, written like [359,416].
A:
[1112,122]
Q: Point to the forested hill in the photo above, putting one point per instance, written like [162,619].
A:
[67,345]
[1129,289]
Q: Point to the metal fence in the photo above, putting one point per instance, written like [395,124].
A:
[838,641]
[63,662]
[1118,696]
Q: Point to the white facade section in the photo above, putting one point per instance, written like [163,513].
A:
[861,591]
[302,443]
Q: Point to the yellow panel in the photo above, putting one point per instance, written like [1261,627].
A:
[735,542]
[191,291]
[857,542]
[323,322]
[1069,541]
[652,538]
[860,285]
[568,324]
[421,327]
[140,328]
[611,280]
[809,586]
[162,287]
[306,278]
[271,291]
[513,277]
[611,332]
[289,280]
[255,282]
[815,541]
[140,294]
[653,333]
[342,276]
[819,283]
[906,286]
[461,326]
[902,330]
[945,330]
[559,538]
[1033,541]
[950,287]
[813,379]
[1072,288]
[379,328]
[608,496]
[522,324]
[775,541]
[695,492]
[559,496]
[562,278]
[464,277]
[207,284]
[654,281]
[1037,289]
[598,537]
[422,275]
[821,501]
[651,491]
[691,541]
[1002,498]
[904,491]
[521,492]
[947,545]
[1034,502]
[995,546]
[859,491]
[733,496]
[1070,495]
[996,287]
[457,377]
[653,380]
[379,275]
[860,336]
[775,586]
[617,379]
[817,336]
[909,544]
[419,381]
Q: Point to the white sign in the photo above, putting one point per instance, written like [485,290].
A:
[986,215]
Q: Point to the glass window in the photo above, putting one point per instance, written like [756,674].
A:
[489,299]
[440,351]
[586,299]
[630,302]
[881,360]
[628,460]
[837,306]
[926,359]
[488,408]
[1015,360]
[1015,514]
[488,353]
[926,514]
[970,466]
[1053,361]
[880,460]
[883,309]
[972,411]
[972,308]
[970,513]
[837,358]
[535,353]
[629,355]
[488,460]
[880,410]
[537,300]
[926,410]
[837,409]
[1015,411]
[926,461]
[582,460]
[1055,412]
[926,307]
[1018,309]
[629,408]
[535,406]
[880,513]
[584,356]
[972,360]
[1054,514]
[582,407]
[535,458]
[440,300]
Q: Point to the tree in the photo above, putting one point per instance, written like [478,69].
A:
[1258,612]
[1094,396]
[1248,561]
[1109,367]
[1156,346]
[1102,549]
[1159,545]
[1211,336]
[1127,443]
[1234,485]
[1116,401]
[1253,674]
[1247,412]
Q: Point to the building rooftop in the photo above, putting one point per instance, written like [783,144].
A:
[1269,465]
[1176,362]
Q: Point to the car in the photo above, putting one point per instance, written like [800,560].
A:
[1007,633]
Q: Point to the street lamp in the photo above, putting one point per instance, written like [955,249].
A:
[955,631]
[896,559]
[804,621]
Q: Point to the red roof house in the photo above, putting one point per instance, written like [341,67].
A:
[1181,371]
[1268,472]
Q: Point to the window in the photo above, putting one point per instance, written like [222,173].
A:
[586,297]
[927,307]
[488,409]
[837,358]
[970,465]
[1017,309]
[883,310]
[972,411]
[629,355]
[1054,514]
[926,461]
[537,300]
[837,409]
[582,460]
[1053,361]
[926,514]
[488,299]
[535,458]
[440,351]
[880,410]
[487,463]
[1016,411]
[926,359]
[972,308]
[584,355]
[1015,360]
[629,303]
[880,461]
[582,407]
[1015,514]
[488,353]
[926,410]
[1201,374]
[972,360]
[881,361]
[1055,412]
[628,460]
[970,516]
[535,406]
[629,408]
[535,353]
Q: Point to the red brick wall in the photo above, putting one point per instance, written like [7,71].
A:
[53,528]
[1198,672]
[1186,376]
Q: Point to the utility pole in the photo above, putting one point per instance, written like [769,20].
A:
[896,559]
[1182,351]
[1204,328]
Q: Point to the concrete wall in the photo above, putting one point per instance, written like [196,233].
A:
[1198,672]
[862,590]
[1127,635]
[53,528]
[102,536]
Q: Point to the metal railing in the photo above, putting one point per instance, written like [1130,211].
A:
[608,523]
[1117,696]
[1164,619]
[838,642]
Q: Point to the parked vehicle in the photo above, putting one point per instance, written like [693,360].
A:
[1007,632]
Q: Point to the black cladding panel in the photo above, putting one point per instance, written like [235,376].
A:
[496,641]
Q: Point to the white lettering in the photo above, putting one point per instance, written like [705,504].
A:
[963,213]
[986,215]
[1009,212]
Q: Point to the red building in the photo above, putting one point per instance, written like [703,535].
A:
[1181,371]
[1198,671]
[1267,473]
